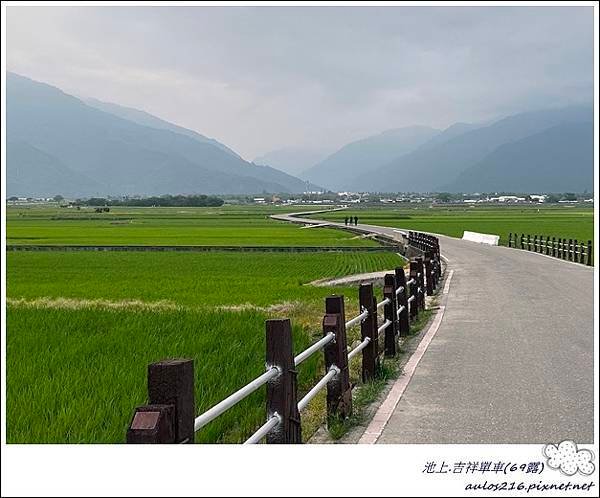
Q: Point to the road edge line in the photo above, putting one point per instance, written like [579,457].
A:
[384,413]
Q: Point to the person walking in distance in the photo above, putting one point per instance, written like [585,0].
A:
[346,221]
[356,221]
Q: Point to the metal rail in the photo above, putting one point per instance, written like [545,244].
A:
[385,325]
[357,319]
[314,348]
[411,299]
[401,308]
[359,348]
[236,397]
[333,371]
[399,290]
[411,281]
[383,303]
[267,427]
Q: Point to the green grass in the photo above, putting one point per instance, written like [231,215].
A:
[558,221]
[222,226]
[192,279]
[76,369]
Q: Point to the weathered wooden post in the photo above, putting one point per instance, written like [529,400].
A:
[509,239]
[575,251]
[404,319]
[389,312]
[560,248]
[282,392]
[570,249]
[522,241]
[368,328]
[414,289]
[535,243]
[169,415]
[428,275]
[421,281]
[554,247]
[528,242]
[339,393]
[589,253]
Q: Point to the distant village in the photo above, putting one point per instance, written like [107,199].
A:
[325,198]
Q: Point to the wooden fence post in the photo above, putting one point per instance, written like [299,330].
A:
[404,320]
[589,253]
[522,241]
[421,281]
[389,292]
[528,242]
[535,243]
[282,392]
[571,250]
[169,415]
[509,239]
[554,247]
[339,393]
[560,248]
[368,328]
[414,293]
[428,275]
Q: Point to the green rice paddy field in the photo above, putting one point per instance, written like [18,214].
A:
[228,225]
[569,221]
[82,327]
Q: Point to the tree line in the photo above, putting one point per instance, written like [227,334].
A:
[162,201]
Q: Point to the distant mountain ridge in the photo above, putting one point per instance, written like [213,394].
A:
[145,119]
[104,154]
[562,153]
[292,160]
[339,170]
[430,168]
[59,144]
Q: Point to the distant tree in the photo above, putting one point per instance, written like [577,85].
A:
[552,198]
[58,198]
[570,196]
[444,197]
[13,198]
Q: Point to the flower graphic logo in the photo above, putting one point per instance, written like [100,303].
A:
[568,459]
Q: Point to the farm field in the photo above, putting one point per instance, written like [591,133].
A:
[221,226]
[82,328]
[559,221]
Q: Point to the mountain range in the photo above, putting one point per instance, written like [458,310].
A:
[292,160]
[60,144]
[437,167]
[340,170]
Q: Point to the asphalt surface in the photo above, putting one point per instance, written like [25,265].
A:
[513,358]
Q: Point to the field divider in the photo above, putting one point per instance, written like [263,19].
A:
[132,248]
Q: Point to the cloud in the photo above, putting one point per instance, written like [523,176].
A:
[259,78]
[566,458]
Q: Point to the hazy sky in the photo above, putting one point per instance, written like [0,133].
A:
[261,78]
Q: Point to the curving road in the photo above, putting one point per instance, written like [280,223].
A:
[513,358]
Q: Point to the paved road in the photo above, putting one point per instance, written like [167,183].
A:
[513,358]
